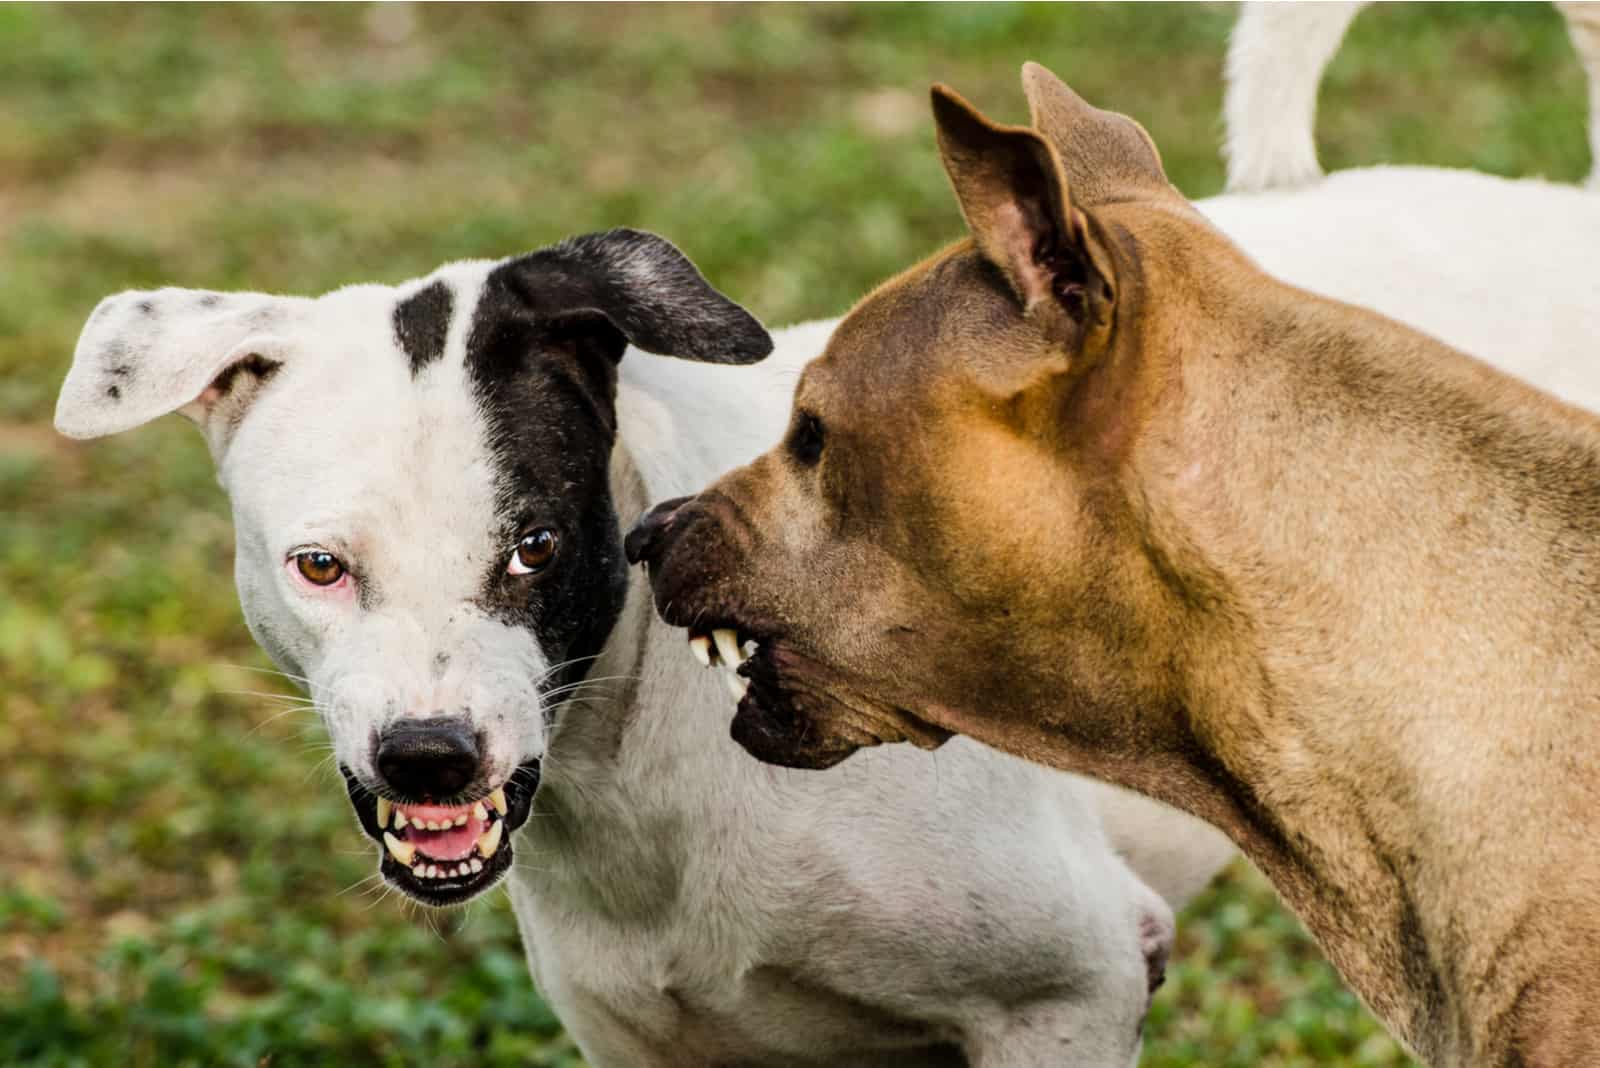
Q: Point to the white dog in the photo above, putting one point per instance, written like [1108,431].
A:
[1276,59]
[429,485]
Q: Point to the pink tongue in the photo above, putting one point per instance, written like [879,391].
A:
[452,844]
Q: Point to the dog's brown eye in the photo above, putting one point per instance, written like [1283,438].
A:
[319,568]
[534,552]
[806,441]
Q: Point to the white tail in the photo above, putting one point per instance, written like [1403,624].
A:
[1583,25]
[1275,64]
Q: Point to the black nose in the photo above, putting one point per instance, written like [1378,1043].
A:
[644,540]
[428,759]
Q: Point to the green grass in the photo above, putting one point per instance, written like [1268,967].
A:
[181,883]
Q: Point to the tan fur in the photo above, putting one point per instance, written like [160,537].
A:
[1276,560]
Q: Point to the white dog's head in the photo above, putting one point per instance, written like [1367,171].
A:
[424,519]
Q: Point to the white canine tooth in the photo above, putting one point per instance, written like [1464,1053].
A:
[383,812]
[700,646]
[399,820]
[399,850]
[737,685]
[477,865]
[489,841]
[420,871]
[478,811]
[497,798]
[728,646]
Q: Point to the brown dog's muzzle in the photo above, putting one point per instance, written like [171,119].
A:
[684,547]
[696,550]
[645,542]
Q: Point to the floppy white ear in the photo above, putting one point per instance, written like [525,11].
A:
[145,354]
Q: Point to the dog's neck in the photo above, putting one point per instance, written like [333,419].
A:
[618,787]
[1390,703]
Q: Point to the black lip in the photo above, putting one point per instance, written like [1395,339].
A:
[440,893]
[771,727]
[769,739]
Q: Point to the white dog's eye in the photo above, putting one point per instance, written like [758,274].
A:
[534,552]
[319,567]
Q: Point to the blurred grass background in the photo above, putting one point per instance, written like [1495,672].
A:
[181,883]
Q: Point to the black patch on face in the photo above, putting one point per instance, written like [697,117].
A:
[421,322]
[542,356]
[548,401]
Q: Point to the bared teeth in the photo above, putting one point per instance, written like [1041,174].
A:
[489,841]
[399,820]
[700,648]
[737,685]
[728,647]
[478,811]
[420,871]
[497,798]
[383,812]
[399,850]
[461,820]
[476,865]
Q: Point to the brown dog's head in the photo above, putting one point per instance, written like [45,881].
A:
[947,498]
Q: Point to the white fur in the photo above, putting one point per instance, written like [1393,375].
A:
[682,904]
[344,451]
[1583,26]
[1275,62]
[1276,59]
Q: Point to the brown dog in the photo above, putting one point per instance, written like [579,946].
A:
[1094,489]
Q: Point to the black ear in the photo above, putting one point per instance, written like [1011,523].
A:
[646,290]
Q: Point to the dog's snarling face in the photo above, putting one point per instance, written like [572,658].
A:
[420,482]
[945,503]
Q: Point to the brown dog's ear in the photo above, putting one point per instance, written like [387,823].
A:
[1104,156]
[1017,203]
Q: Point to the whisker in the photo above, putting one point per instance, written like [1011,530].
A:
[268,695]
[593,680]
[275,717]
[269,671]
[321,766]
[361,884]
[566,664]
[381,898]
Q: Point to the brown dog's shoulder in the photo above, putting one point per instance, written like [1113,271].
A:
[1551,1021]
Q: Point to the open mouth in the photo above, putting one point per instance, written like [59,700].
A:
[722,647]
[794,711]
[772,721]
[446,854]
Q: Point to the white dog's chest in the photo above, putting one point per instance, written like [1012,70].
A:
[661,998]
